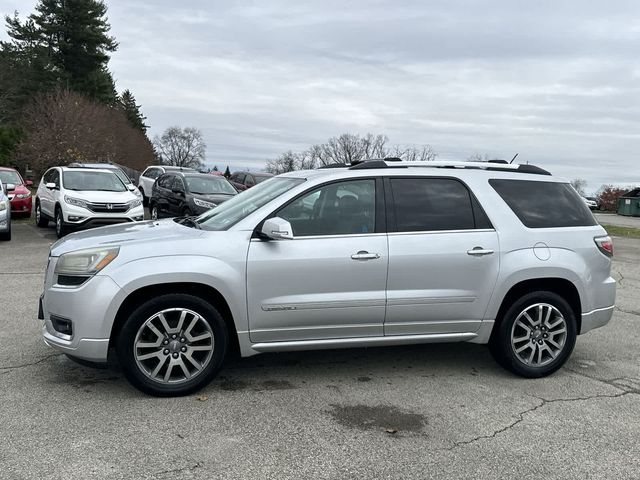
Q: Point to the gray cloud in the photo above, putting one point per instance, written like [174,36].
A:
[556,81]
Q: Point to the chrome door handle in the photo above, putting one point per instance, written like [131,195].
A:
[479,251]
[363,255]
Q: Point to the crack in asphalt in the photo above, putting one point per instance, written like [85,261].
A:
[180,470]
[543,402]
[23,365]
[628,312]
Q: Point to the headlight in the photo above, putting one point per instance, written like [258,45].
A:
[76,202]
[86,262]
[203,204]
[135,203]
[23,195]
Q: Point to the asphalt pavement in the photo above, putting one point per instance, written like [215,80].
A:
[428,411]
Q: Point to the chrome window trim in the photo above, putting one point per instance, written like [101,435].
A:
[317,237]
[422,232]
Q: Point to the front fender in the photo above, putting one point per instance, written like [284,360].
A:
[228,279]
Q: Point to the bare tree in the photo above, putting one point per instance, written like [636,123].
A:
[181,147]
[579,184]
[346,149]
[63,126]
[478,157]
[425,153]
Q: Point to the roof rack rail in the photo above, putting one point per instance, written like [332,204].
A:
[497,166]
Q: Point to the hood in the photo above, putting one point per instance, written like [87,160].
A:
[102,197]
[151,232]
[20,189]
[215,197]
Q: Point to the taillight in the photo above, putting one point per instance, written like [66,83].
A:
[605,245]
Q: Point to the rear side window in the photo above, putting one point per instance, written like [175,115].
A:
[432,204]
[544,204]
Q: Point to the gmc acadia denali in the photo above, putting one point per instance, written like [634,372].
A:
[378,253]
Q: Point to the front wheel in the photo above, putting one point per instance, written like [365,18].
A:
[172,345]
[536,335]
[61,228]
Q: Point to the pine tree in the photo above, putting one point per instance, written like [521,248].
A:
[227,172]
[215,168]
[132,111]
[69,40]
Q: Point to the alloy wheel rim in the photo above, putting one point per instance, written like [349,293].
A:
[58,223]
[538,335]
[154,213]
[173,346]
[38,213]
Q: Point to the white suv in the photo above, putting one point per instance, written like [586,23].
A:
[151,174]
[76,198]
[381,253]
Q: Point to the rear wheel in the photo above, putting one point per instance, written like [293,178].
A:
[41,220]
[154,212]
[536,335]
[172,345]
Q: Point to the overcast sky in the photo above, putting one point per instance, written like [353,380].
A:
[556,81]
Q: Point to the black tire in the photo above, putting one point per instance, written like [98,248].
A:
[6,236]
[153,207]
[61,228]
[125,344]
[41,220]
[501,347]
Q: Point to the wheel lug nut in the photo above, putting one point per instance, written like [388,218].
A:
[540,342]
[166,351]
[183,340]
[166,342]
[183,349]
[174,336]
[175,355]
[545,335]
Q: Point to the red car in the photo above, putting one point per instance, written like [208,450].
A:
[19,194]
[243,180]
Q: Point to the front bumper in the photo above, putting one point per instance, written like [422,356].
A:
[91,308]
[21,205]
[81,218]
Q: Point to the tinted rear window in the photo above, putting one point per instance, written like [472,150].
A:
[431,204]
[544,204]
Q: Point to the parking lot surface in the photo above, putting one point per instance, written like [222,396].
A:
[427,411]
[619,220]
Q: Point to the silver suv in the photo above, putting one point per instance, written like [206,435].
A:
[379,253]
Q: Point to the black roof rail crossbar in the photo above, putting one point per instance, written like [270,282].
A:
[493,166]
[334,165]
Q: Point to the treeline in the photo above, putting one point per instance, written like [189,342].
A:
[347,148]
[58,99]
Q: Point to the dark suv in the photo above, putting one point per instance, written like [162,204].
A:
[184,193]
[243,180]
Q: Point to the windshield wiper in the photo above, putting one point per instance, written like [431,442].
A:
[189,220]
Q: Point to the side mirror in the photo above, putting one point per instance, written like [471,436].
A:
[131,187]
[11,186]
[277,229]
[28,183]
[50,185]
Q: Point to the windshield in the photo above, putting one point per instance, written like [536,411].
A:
[209,185]
[232,211]
[122,176]
[92,181]
[262,178]
[7,176]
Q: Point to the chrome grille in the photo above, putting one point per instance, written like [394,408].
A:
[108,207]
